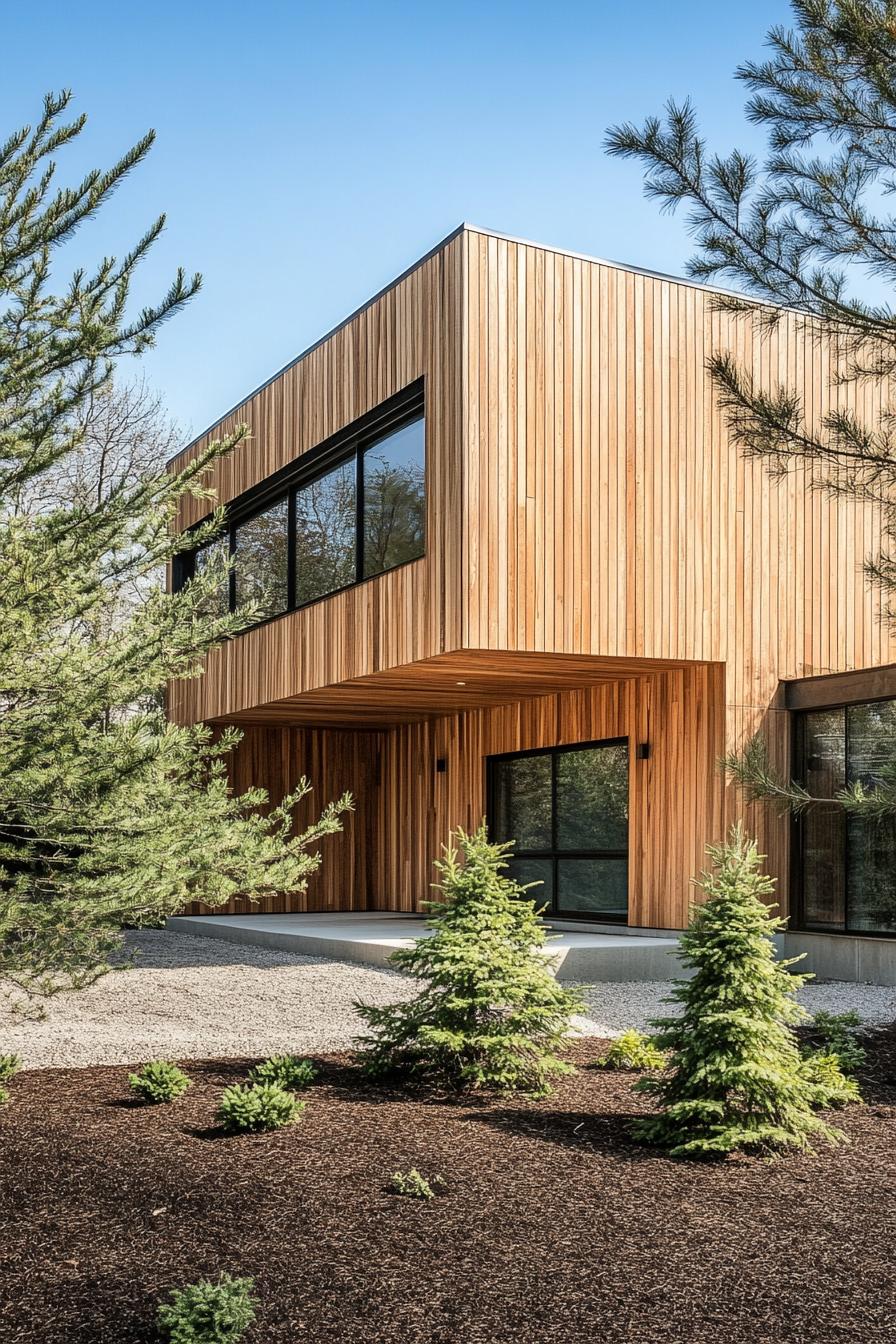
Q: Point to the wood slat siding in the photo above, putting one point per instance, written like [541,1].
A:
[411,331]
[450,683]
[334,763]
[607,511]
[586,511]
[601,475]
[406,809]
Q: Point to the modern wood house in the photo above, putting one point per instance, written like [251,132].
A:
[511,565]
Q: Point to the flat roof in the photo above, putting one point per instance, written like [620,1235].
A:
[449,237]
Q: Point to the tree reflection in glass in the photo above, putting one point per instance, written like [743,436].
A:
[871,842]
[522,801]
[325,533]
[394,501]
[261,561]
[592,798]
[211,561]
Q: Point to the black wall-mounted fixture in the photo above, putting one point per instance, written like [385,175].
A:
[441,766]
[642,751]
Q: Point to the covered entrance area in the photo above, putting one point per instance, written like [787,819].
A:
[602,771]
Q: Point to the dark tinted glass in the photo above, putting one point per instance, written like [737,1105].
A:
[261,561]
[339,539]
[593,886]
[824,828]
[212,559]
[394,503]
[325,533]
[871,874]
[522,801]
[848,862]
[555,803]
[872,742]
[824,880]
[534,870]
[825,752]
[592,798]
[871,845]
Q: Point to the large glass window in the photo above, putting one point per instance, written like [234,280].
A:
[326,533]
[846,872]
[359,512]
[213,560]
[393,499]
[260,561]
[566,809]
[521,801]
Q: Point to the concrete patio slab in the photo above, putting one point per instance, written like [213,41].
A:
[369,938]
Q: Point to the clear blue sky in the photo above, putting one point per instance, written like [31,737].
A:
[308,152]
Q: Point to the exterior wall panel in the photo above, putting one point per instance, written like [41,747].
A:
[583,499]
[334,763]
[607,511]
[406,808]
[413,330]
[675,801]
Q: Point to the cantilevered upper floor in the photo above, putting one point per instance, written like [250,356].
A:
[510,467]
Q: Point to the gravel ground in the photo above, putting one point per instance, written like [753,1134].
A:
[614,1007]
[203,998]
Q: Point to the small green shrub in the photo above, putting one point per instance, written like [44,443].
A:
[9,1067]
[838,1034]
[208,1313]
[414,1185]
[831,1086]
[288,1070]
[632,1050]
[159,1081]
[490,1016]
[734,1079]
[4,1095]
[258,1106]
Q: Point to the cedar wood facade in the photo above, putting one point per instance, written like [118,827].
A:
[600,564]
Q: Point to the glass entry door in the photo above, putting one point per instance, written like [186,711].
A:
[566,809]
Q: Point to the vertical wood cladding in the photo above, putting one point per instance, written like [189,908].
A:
[333,763]
[583,498]
[675,799]
[406,809]
[608,512]
[412,330]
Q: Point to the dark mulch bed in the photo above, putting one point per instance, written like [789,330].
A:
[554,1225]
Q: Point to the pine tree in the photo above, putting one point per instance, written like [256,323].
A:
[108,814]
[734,1077]
[805,225]
[491,1014]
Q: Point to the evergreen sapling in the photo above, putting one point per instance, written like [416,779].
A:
[735,1079]
[490,1014]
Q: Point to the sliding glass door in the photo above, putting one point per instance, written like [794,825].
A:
[566,809]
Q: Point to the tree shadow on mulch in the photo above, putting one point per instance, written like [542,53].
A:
[608,1132]
[345,1075]
[580,1130]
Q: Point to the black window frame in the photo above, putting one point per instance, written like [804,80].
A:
[554,854]
[797,921]
[405,408]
